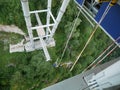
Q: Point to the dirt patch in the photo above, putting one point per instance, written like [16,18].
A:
[11,29]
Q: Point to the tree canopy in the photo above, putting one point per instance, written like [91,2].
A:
[30,71]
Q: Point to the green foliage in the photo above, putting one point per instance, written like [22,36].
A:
[30,71]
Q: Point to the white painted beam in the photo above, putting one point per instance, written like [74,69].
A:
[48,15]
[43,44]
[38,11]
[41,26]
[60,14]
[25,7]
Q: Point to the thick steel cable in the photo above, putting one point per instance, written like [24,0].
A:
[101,54]
[105,56]
[103,16]
[66,45]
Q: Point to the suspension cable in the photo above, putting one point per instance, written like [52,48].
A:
[103,16]
[101,55]
[105,56]
[66,45]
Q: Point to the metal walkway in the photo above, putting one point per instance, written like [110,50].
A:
[77,82]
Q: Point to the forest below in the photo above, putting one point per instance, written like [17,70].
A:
[29,70]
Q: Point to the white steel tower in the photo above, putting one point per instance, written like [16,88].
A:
[45,32]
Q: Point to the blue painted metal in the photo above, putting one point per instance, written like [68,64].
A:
[80,2]
[101,11]
[111,22]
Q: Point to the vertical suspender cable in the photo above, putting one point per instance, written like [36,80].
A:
[103,16]
[66,45]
